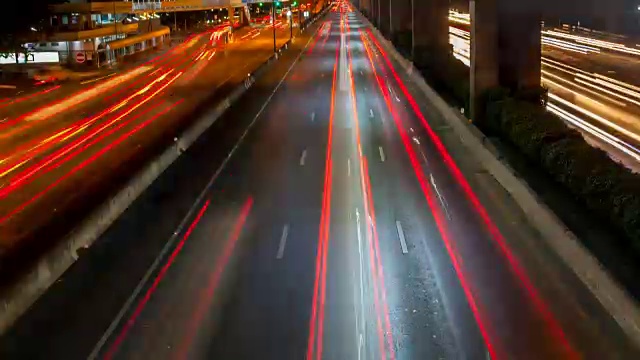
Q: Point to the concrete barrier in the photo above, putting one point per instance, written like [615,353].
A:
[560,239]
[18,298]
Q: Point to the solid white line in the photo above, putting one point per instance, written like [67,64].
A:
[283,242]
[443,201]
[371,113]
[361,274]
[403,243]
[98,79]
[313,116]
[348,167]
[381,153]
[136,292]
[344,68]
[303,157]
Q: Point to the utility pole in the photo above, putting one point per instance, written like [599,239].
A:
[290,13]
[413,32]
[390,18]
[175,21]
[273,24]
[115,20]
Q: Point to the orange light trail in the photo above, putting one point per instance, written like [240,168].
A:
[28,175]
[84,164]
[11,101]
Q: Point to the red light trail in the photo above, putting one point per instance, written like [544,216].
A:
[163,271]
[319,287]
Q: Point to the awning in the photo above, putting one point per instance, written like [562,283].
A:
[132,40]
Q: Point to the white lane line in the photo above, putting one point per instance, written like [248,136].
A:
[313,116]
[97,79]
[393,92]
[381,153]
[303,157]
[361,275]
[283,242]
[403,243]
[344,68]
[371,113]
[194,207]
[349,167]
[443,201]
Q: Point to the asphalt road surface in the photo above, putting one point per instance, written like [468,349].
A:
[64,148]
[329,214]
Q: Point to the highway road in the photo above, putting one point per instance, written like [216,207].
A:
[593,85]
[64,148]
[331,213]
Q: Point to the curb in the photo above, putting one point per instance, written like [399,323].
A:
[558,237]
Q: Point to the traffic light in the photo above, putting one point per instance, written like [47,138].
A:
[260,5]
[295,3]
[277,3]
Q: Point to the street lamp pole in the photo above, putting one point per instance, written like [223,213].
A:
[273,24]
[290,15]
[413,32]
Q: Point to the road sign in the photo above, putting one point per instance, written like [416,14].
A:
[80,57]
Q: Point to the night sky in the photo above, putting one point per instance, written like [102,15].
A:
[22,14]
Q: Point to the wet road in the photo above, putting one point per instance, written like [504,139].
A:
[330,214]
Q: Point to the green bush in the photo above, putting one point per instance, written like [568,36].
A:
[604,186]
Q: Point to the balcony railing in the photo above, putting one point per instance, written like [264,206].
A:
[130,7]
[105,30]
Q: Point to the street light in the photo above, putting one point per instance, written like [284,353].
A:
[273,24]
[290,24]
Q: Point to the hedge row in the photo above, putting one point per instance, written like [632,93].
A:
[606,187]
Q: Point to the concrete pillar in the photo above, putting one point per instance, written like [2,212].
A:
[365,7]
[505,48]
[384,16]
[373,15]
[401,27]
[519,44]
[431,32]
[230,11]
[484,52]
